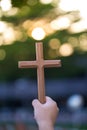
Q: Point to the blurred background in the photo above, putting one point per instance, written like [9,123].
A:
[62,27]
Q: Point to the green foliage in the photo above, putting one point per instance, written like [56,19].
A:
[26,50]
[19,3]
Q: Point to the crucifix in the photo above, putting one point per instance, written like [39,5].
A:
[40,64]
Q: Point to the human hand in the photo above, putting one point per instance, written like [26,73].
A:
[45,114]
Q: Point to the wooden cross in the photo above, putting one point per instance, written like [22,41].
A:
[40,64]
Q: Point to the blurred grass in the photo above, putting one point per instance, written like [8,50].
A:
[35,127]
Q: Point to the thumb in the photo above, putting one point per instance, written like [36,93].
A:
[36,103]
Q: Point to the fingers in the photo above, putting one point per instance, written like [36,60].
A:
[51,102]
[48,98]
[36,103]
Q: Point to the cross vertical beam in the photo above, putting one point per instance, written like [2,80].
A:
[40,73]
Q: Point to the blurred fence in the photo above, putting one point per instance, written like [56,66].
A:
[26,90]
[23,88]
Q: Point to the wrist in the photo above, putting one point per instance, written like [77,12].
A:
[45,126]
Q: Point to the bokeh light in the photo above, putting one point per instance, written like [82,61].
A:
[38,33]
[75,102]
[74,5]
[68,5]
[13,11]
[1,40]
[32,2]
[60,23]
[74,41]
[9,36]
[46,1]
[3,26]
[66,49]
[54,43]
[83,42]
[5,5]
[78,26]
[2,54]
